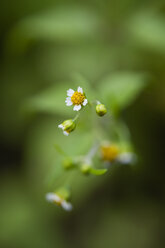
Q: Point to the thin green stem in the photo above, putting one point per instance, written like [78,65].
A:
[76,117]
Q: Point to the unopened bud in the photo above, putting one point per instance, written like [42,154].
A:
[85,169]
[68,164]
[67,126]
[101,109]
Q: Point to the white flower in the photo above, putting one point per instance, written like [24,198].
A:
[76,98]
[111,153]
[55,198]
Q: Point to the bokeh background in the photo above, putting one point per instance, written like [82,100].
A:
[45,45]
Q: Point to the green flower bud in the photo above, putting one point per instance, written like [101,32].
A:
[68,164]
[101,109]
[67,126]
[85,169]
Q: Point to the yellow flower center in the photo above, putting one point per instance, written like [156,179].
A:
[58,203]
[109,153]
[77,98]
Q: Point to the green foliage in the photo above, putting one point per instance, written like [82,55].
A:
[120,89]
[52,100]
[49,101]
[147,30]
[55,25]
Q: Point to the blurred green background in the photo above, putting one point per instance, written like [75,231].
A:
[45,45]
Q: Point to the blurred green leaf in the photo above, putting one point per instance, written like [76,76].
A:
[60,150]
[80,80]
[60,24]
[52,100]
[148,31]
[120,89]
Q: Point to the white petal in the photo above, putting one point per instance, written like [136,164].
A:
[68,101]
[126,158]
[77,107]
[51,197]
[61,126]
[65,133]
[85,102]
[79,89]
[66,205]
[70,92]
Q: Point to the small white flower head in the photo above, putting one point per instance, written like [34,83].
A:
[101,109]
[76,98]
[67,126]
[58,200]
[109,152]
[112,153]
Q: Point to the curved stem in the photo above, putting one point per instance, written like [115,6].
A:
[76,117]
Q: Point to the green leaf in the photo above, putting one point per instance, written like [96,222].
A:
[147,30]
[66,24]
[97,172]
[80,80]
[50,101]
[120,89]
[60,150]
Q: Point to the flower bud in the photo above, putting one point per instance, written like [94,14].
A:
[85,169]
[68,164]
[101,109]
[67,126]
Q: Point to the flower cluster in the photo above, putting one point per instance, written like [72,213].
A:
[78,100]
[100,156]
